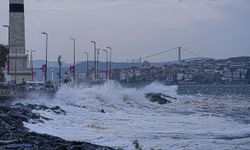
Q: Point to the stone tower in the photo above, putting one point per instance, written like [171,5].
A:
[18,59]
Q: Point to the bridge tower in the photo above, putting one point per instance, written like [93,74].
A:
[179,55]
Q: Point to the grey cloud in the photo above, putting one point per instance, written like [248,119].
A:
[132,27]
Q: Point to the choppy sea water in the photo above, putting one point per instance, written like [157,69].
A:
[202,117]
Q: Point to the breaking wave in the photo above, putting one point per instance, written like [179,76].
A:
[113,115]
[109,94]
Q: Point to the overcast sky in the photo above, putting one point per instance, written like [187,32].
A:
[135,28]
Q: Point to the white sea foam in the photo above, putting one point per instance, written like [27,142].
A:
[130,115]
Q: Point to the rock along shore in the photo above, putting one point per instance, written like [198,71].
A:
[13,134]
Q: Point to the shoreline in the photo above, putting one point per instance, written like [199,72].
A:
[13,134]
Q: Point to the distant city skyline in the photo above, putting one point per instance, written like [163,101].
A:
[135,28]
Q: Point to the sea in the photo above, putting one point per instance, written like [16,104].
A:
[203,117]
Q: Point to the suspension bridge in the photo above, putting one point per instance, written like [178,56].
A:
[179,54]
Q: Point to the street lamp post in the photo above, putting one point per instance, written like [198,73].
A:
[87,70]
[46,61]
[7,26]
[110,62]
[74,67]
[31,63]
[94,59]
[97,65]
[106,51]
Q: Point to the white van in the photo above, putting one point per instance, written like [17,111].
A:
[35,85]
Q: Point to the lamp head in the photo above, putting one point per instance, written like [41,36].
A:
[7,26]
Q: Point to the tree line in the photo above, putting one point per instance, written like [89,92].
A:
[4,51]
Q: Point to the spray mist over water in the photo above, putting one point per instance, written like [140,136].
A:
[110,94]
[129,115]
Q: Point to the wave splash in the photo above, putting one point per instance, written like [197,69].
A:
[109,95]
[129,115]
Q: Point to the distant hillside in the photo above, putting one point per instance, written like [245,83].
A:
[102,65]
[122,65]
[197,59]
[238,60]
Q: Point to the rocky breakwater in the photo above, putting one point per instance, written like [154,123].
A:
[160,98]
[13,134]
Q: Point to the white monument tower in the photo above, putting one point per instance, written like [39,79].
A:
[18,59]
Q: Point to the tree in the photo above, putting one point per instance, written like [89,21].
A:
[4,51]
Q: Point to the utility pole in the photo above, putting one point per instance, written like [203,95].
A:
[97,68]
[110,62]
[87,70]
[106,51]
[46,63]
[52,74]
[31,63]
[94,60]
[74,59]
